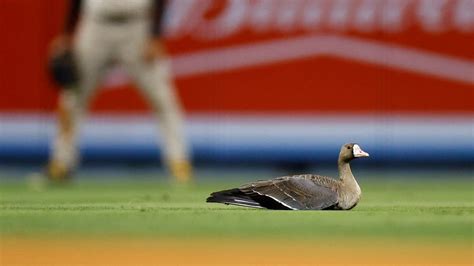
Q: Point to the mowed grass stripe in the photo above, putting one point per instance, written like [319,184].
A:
[428,209]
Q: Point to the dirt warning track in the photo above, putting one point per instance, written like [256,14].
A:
[227,252]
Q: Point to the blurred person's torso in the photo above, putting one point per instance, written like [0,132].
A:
[106,8]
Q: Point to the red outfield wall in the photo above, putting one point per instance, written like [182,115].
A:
[274,56]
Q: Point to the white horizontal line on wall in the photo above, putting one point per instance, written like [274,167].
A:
[357,49]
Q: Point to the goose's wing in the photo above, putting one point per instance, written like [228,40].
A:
[301,192]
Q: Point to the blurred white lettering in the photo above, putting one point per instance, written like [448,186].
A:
[188,17]
[366,14]
[261,14]
[229,21]
[184,15]
[287,14]
[464,15]
[431,14]
[312,14]
[339,14]
[393,15]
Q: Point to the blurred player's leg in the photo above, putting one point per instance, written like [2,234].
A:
[64,154]
[155,82]
[73,102]
[171,117]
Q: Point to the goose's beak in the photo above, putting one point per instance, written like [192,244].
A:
[358,152]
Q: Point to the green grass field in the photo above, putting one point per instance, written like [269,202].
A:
[421,219]
[400,209]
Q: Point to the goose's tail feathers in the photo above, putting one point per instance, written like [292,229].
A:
[233,197]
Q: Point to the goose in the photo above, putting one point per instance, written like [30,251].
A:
[300,192]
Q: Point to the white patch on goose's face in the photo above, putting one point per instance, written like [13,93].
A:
[358,152]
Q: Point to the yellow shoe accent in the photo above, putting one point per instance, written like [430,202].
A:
[181,170]
[57,172]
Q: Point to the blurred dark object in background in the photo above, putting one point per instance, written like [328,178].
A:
[63,69]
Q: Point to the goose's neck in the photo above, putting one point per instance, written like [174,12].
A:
[345,173]
[349,191]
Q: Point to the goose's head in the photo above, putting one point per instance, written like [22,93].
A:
[351,151]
